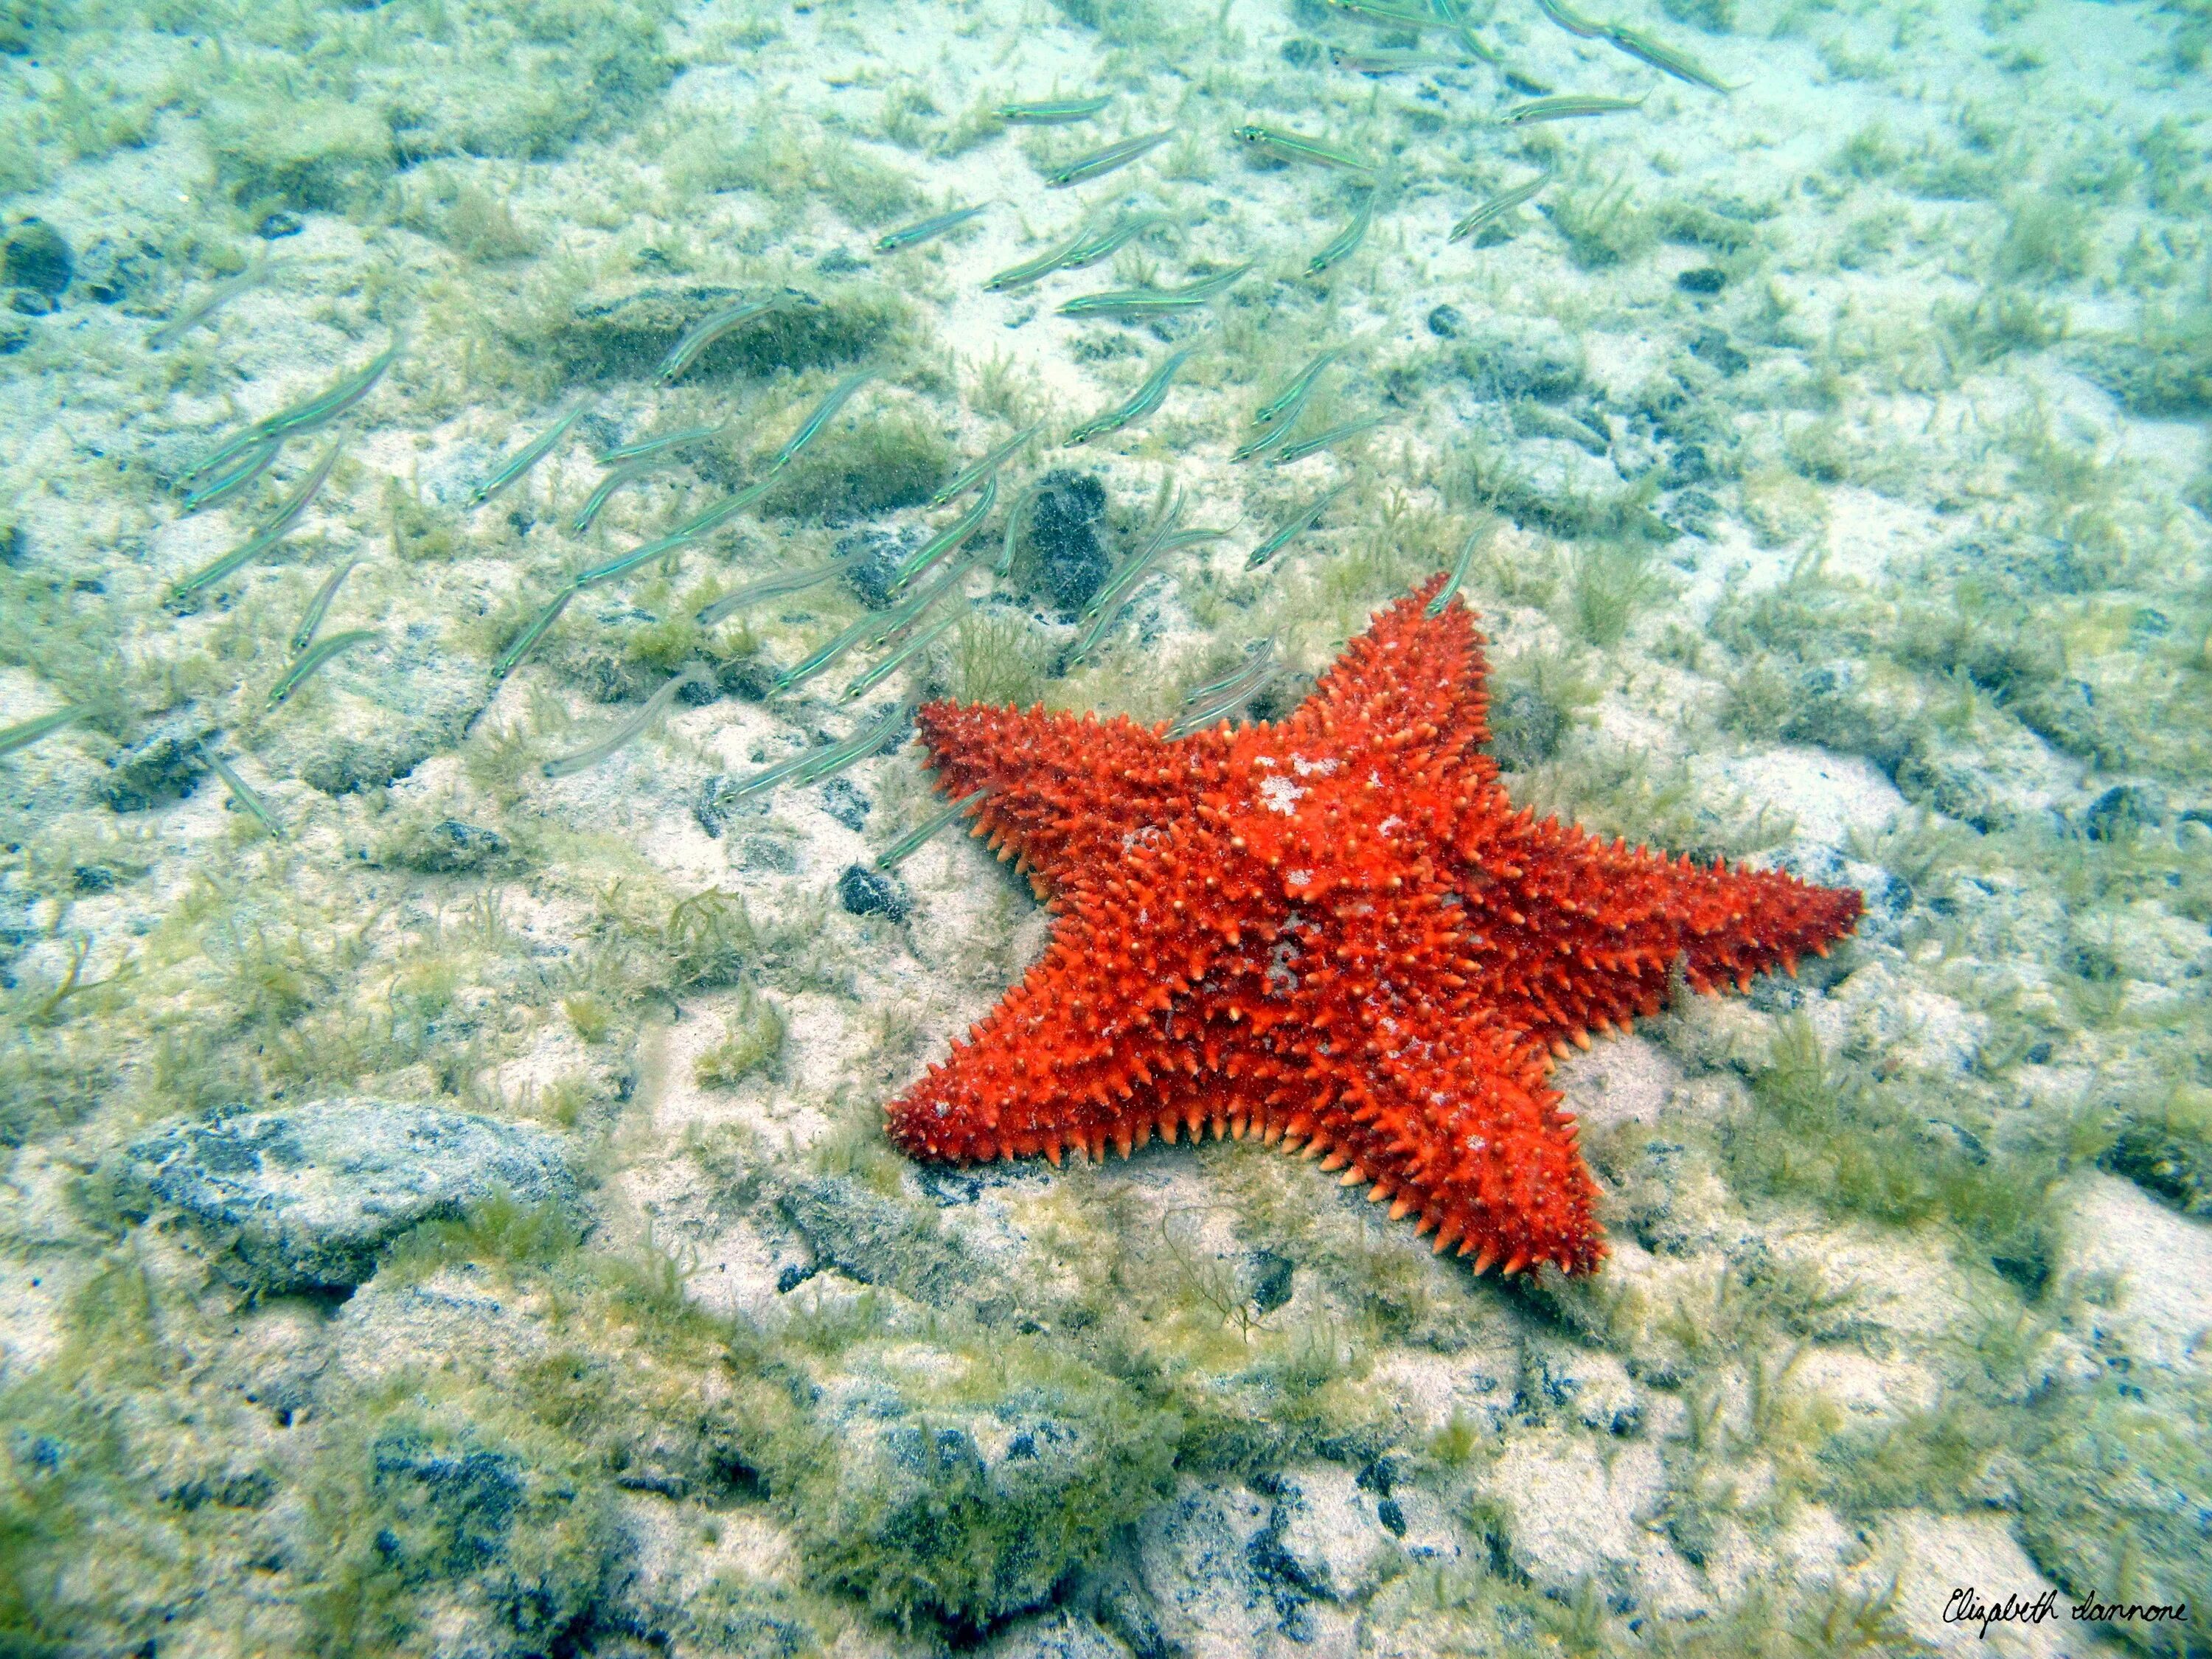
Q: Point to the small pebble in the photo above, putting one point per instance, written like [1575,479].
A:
[867,892]
[1705,279]
[1445,322]
[37,257]
[280,223]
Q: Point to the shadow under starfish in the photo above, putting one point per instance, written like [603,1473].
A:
[1335,932]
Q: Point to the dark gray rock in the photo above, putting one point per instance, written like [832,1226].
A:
[885,550]
[305,1198]
[2123,809]
[2158,1160]
[1064,531]
[164,766]
[1446,321]
[37,256]
[280,224]
[842,800]
[866,892]
[1705,279]
[1267,1279]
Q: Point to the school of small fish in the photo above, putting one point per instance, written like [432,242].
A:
[956,548]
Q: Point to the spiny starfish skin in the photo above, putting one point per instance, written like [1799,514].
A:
[1336,933]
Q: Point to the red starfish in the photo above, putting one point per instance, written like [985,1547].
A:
[1335,932]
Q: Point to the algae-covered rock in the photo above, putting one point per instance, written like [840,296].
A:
[165,766]
[306,1197]
[374,715]
[876,1240]
[625,333]
[461,1534]
[1509,357]
[966,1485]
[2116,1500]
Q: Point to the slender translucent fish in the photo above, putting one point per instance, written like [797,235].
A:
[1100,162]
[528,456]
[1345,241]
[1571,21]
[240,793]
[1035,269]
[908,843]
[526,640]
[1110,240]
[913,235]
[1498,206]
[826,763]
[1132,569]
[1146,398]
[1053,111]
[953,537]
[629,472]
[23,736]
[314,657]
[1257,655]
[304,636]
[863,744]
[1294,147]
[894,855]
[640,448]
[1392,63]
[1297,527]
[1183,538]
[310,416]
[1320,441]
[1388,16]
[901,617]
[1270,437]
[1021,505]
[822,655]
[1155,301]
[1292,398]
[208,303]
[250,465]
[989,465]
[890,664]
[824,412]
[1449,13]
[682,536]
[626,733]
[713,327]
[1098,630]
[270,533]
[1567,106]
[1228,702]
[821,761]
[1665,58]
[1477,539]
[775,586]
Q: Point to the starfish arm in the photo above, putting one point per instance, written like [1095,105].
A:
[1577,934]
[1065,791]
[1071,1054]
[1412,684]
[1443,1111]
